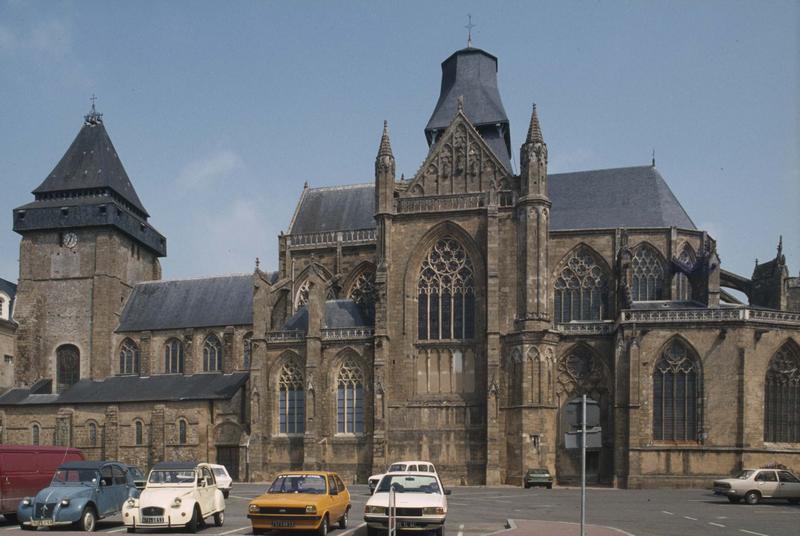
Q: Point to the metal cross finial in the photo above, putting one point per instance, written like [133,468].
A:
[469,28]
[93,98]
[93,117]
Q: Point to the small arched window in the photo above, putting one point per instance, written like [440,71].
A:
[181,432]
[350,399]
[3,308]
[68,367]
[782,396]
[129,357]
[139,433]
[35,430]
[676,391]
[446,293]
[291,400]
[247,351]
[173,357]
[683,289]
[92,435]
[581,288]
[647,274]
[212,354]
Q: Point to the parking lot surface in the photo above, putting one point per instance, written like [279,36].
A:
[477,511]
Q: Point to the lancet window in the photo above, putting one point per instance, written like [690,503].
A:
[129,357]
[648,274]
[68,366]
[782,396]
[212,354]
[581,289]
[35,431]
[362,292]
[446,293]
[181,431]
[683,289]
[676,391]
[442,370]
[92,434]
[138,432]
[350,399]
[173,357]
[291,400]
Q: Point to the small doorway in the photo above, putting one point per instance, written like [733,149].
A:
[229,457]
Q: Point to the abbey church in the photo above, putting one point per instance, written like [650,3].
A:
[450,316]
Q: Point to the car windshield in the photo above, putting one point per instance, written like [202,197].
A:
[136,473]
[74,477]
[396,467]
[172,477]
[744,475]
[409,484]
[537,471]
[313,484]
[219,471]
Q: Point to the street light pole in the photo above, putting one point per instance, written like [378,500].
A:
[583,466]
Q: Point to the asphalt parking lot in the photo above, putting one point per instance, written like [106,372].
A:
[477,511]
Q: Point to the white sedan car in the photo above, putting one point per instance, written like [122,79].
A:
[420,503]
[177,494]
[224,480]
[415,465]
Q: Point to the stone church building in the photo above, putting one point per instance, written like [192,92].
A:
[448,316]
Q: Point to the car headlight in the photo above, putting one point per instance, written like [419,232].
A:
[311,509]
[433,511]
[131,502]
[253,508]
[176,503]
[374,510]
[64,502]
[26,501]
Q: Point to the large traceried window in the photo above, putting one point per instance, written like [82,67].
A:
[173,357]
[676,391]
[446,293]
[782,396]
[212,354]
[362,292]
[68,366]
[683,289]
[129,357]
[581,288]
[648,274]
[291,400]
[350,399]
[445,370]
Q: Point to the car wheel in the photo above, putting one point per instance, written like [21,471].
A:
[549,486]
[752,497]
[440,532]
[527,485]
[88,520]
[343,520]
[733,500]
[194,523]
[11,518]
[794,501]
[131,529]
[323,527]
[219,518]
[27,527]
[226,492]
[372,531]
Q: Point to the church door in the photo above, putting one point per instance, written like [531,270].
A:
[229,457]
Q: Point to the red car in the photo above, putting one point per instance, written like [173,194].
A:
[24,470]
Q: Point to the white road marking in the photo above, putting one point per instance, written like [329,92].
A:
[234,530]
[350,531]
[11,528]
[245,498]
[751,532]
[690,517]
[460,530]
[716,524]
[668,513]
[457,504]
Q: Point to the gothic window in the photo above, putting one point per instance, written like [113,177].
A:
[139,431]
[362,292]
[35,430]
[782,396]
[301,298]
[291,401]
[2,308]
[247,350]
[648,274]
[350,399]
[676,388]
[92,434]
[212,354]
[683,290]
[446,293]
[181,432]
[68,367]
[173,357]
[129,357]
[442,370]
[581,289]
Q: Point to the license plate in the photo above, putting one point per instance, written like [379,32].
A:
[407,524]
[41,522]
[283,523]
[153,520]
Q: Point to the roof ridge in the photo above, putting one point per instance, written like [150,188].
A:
[601,169]
[196,278]
[343,187]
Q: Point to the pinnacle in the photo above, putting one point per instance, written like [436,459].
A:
[534,130]
[385,148]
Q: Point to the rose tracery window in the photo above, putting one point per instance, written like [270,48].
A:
[581,289]
[301,297]
[129,357]
[350,399]
[648,274]
[676,388]
[291,401]
[782,396]
[683,290]
[212,354]
[362,292]
[446,293]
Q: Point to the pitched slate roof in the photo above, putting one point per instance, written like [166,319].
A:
[211,301]
[118,389]
[91,162]
[338,314]
[597,199]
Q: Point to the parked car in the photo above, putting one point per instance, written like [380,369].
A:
[139,480]
[415,465]
[80,493]
[177,494]
[754,485]
[224,480]
[538,477]
[24,470]
[301,501]
[420,503]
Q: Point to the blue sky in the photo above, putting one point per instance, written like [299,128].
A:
[221,111]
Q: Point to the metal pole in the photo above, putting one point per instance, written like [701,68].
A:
[583,466]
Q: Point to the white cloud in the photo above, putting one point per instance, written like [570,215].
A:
[238,233]
[207,171]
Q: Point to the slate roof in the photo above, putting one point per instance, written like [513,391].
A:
[338,314]
[91,162]
[212,301]
[598,199]
[118,389]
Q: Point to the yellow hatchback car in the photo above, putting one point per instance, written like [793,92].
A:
[302,500]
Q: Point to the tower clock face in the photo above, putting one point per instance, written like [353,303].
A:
[70,240]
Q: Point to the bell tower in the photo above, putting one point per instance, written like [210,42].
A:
[85,242]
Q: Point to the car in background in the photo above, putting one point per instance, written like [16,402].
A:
[420,503]
[304,501]
[139,480]
[224,480]
[538,477]
[755,485]
[414,465]
[80,493]
[177,494]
